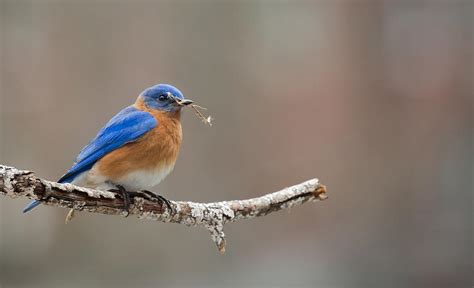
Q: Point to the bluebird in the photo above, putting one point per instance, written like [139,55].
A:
[136,149]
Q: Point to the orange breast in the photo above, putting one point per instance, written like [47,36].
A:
[157,149]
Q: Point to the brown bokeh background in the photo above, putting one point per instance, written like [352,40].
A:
[372,97]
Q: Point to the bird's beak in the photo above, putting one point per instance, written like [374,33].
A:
[186,102]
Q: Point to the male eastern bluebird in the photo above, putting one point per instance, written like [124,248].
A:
[136,149]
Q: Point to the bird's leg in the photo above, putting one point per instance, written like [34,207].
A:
[154,197]
[125,196]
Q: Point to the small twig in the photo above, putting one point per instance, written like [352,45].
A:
[213,216]
[69,216]
[207,120]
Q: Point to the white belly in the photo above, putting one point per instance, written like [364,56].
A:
[144,179]
[134,181]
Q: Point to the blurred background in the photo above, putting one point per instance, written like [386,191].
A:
[372,97]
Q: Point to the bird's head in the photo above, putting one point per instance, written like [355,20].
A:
[164,97]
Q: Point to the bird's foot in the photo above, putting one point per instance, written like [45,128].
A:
[125,196]
[154,197]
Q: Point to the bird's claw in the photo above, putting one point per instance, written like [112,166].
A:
[125,196]
[156,198]
[142,193]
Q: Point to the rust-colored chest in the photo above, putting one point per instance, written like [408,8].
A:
[158,149]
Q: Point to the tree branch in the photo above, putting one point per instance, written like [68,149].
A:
[18,183]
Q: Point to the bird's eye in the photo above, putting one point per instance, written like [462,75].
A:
[163,97]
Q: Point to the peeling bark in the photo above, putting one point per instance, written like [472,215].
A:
[213,216]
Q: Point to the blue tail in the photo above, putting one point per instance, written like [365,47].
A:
[31,206]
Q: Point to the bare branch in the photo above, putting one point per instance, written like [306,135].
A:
[18,183]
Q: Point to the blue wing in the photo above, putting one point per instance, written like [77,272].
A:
[125,127]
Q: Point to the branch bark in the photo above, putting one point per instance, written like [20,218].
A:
[213,216]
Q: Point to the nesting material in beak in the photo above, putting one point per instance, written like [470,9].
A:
[186,102]
[207,120]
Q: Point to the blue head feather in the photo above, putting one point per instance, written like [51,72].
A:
[163,97]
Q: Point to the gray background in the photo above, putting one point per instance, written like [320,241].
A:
[372,97]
